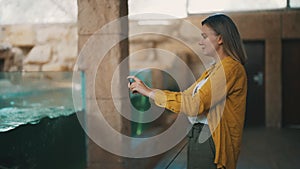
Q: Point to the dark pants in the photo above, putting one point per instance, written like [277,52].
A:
[201,151]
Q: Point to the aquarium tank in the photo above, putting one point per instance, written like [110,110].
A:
[39,128]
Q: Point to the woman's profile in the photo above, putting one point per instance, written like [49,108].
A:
[225,115]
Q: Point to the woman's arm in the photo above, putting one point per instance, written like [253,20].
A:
[174,101]
[138,86]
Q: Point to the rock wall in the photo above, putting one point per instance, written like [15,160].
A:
[48,47]
[53,47]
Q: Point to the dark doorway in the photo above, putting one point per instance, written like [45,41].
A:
[255,66]
[290,82]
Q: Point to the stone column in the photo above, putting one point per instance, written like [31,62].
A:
[92,16]
[273,83]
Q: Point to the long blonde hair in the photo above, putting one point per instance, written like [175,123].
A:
[232,41]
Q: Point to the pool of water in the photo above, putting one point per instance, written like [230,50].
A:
[29,97]
[38,123]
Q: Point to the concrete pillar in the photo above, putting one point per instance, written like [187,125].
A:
[92,16]
[273,83]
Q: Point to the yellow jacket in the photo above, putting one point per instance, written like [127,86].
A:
[223,100]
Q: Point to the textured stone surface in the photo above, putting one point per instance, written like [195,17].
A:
[99,157]
[61,38]
[94,14]
[99,57]
[100,62]
[39,55]
[32,67]
[20,35]
[54,67]
[48,33]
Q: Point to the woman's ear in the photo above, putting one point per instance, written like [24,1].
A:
[220,40]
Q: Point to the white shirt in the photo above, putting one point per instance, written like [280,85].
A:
[201,118]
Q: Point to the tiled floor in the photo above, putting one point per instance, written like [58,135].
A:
[270,149]
[262,148]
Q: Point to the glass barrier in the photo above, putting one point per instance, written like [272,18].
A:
[38,122]
[27,97]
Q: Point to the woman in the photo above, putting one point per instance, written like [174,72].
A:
[222,112]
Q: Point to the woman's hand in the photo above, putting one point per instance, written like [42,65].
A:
[139,86]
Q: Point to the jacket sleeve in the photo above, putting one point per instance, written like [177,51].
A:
[182,101]
[211,93]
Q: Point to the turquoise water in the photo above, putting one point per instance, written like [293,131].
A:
[28,98]
[12,117]
[38,124]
